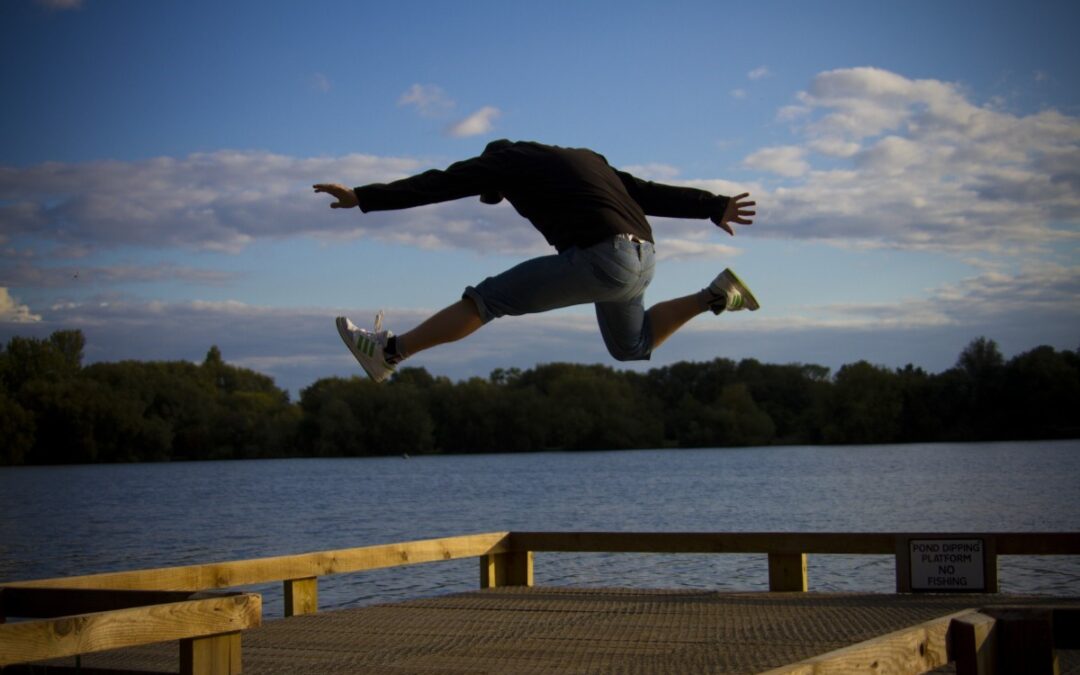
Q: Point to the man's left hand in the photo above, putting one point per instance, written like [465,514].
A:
[737,211]
[346,198]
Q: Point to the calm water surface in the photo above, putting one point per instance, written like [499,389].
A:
[57,521]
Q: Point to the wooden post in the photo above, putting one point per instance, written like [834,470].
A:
[990,571]
[903,564]
[1025,641]
[787,572]
[213,655]
[301,596]
[973,644]
[514,568]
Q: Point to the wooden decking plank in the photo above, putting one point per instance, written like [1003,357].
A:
[534,630]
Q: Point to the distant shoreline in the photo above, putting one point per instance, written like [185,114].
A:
[54,410]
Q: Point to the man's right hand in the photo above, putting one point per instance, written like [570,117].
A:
[346,198]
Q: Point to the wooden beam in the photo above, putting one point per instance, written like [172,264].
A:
[1008,543]
[506,569]
[1065,620]
[301,596]
[280,568]
[83,633]
[904,652]
[704,542]
[787,572]
[211,655]
[1066,627]
[1025,640]
[1037,543]
[972,644]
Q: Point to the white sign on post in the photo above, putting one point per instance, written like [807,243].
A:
[947,565]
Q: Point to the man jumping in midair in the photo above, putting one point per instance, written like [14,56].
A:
[594,216]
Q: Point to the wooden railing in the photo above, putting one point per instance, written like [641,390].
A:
[299,572]
[506,559]
[83,614]
[73,621]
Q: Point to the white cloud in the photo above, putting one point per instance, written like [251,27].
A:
[759,73]
[790,113]
[24,275]
[1047,291]
[786,160]
[320,82]
[297,345]
[13,312]
[59,5]
[738,94]
[219,201]
[687,249]
[654,171]
[480,122]
[834,147]
[428,99]
[928,168]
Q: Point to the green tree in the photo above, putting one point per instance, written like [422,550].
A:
[792,396]
[593,407]
[750,425]
[17,429]
[1043,395]
[979,388]
[26,359]
[865,406]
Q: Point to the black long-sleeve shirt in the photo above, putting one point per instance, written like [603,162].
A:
[571,195]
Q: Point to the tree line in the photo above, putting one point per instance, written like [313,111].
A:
[53,409]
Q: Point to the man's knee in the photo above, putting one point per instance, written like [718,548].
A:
[641,351]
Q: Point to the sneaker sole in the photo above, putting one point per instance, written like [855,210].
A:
[750,302]
[346,337]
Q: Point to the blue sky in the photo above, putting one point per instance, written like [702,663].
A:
[916,165]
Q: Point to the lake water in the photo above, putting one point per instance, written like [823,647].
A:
[59,521]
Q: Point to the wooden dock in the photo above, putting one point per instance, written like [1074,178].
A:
[134,621]
[525,630]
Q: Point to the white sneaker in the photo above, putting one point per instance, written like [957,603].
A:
[367,346]
[730,294]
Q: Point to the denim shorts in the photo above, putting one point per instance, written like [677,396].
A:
[612,275]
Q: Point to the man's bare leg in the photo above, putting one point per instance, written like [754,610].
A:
[449,324]
[726,293]
[670,315]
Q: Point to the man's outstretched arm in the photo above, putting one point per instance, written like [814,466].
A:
[466,178]
[659,199]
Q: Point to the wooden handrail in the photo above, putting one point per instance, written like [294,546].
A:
[916,649]
[506,558]
[199,621]
[281,568]
[702,542]
[321,563]
[1008,543]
